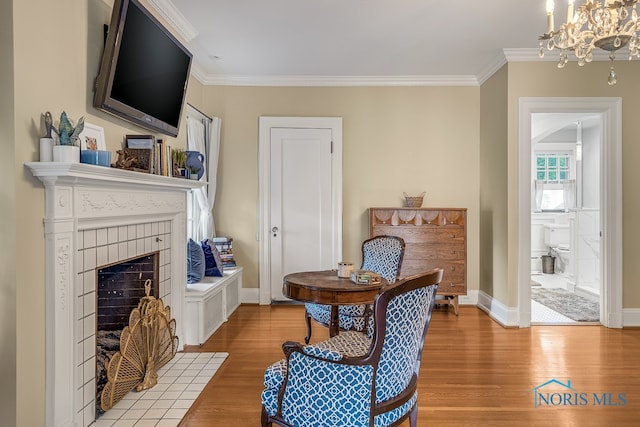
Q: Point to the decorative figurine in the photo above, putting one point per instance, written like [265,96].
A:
[67,133]
[48,124]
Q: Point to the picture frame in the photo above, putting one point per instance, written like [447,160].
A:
[139,141]
[92,137]
[135,159]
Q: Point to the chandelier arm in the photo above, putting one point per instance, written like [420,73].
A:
[629,27]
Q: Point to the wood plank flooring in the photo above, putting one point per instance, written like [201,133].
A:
[473,372]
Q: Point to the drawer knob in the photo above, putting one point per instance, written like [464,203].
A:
[451,284]
[452,268]
[452,235]
[452,251]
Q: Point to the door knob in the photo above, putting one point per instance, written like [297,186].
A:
[274,230]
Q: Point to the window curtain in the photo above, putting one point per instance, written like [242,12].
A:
[568,193]
[204,136]
[569,190]
[213,153]
[538,190]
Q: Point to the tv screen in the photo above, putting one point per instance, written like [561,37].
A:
[144,70]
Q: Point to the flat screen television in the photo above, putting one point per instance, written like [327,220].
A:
[144,71]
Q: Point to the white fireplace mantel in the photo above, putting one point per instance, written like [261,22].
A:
[80,198]
[84,174]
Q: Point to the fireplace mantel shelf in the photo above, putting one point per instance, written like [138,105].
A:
[83,174]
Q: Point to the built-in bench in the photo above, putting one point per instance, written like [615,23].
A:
[209,304]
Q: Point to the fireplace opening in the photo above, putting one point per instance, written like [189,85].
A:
[120,287]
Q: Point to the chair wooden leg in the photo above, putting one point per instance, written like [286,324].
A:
[413,417]
[308,319]
[264,419]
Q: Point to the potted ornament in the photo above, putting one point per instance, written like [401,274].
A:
[68,148]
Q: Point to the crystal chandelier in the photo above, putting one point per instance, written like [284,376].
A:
[609,25]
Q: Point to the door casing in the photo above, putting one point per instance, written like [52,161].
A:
[610,201]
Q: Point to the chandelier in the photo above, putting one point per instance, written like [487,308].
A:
[609,25]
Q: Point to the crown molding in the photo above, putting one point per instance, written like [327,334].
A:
[498,62]
[299,80]
[532,55]
[506,56]
[175,18]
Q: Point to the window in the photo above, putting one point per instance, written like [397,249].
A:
[553,167]
[554,186]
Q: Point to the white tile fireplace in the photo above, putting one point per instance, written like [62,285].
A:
[96,216]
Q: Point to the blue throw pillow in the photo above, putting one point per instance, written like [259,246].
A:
[195,262]
[212,259]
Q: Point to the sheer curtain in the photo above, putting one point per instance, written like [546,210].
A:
[538,191]
[203,135]
[569,189]
[554,196]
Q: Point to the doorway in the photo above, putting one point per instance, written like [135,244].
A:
[300,173]
[565,218]
[610,203]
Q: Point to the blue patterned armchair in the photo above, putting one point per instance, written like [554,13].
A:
[382,255]
[352,380]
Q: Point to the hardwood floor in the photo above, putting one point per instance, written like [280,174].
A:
[473,372]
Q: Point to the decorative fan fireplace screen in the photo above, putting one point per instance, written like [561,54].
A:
[146,344]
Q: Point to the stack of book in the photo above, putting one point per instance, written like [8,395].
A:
[224,245]
[162,164]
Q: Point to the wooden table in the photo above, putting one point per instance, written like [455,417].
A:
[325,287]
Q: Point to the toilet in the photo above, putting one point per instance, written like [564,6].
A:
[556,238]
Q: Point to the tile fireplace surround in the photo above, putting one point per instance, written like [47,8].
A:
[96,216]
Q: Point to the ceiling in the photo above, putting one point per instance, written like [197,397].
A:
[544,125]
[387,42]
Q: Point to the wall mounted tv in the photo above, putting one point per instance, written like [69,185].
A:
[144,70]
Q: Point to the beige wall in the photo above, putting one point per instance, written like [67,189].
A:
[544,79]
[493,186]
[55,61]
[8,166]
[394,140]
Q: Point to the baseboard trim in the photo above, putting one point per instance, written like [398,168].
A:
[631,317]
[507,317]
[250,295]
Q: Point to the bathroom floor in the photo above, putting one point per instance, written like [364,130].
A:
[542,315]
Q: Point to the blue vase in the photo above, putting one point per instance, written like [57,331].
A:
[195,161]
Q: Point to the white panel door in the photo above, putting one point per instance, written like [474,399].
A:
[301,203]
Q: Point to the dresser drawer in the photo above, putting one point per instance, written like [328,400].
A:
[423,251]
[421,234]
[449,267]
[452,287]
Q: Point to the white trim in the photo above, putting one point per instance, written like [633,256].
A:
[250,296]
[533,55]
[471,298]
[264,162]
[295,80]
[498,62]
[505,316]
[631,317]
[611,314]
[175,18]
[506,56]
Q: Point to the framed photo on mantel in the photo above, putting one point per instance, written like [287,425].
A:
[92,137]
[135,159]
[140,141]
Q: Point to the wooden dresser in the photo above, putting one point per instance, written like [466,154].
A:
[434,237]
